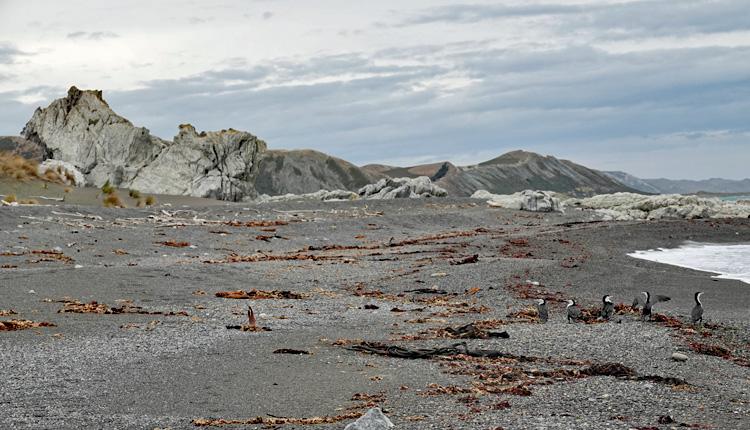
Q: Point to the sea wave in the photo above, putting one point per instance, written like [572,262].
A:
[728,261]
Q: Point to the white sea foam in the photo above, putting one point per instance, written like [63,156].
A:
[727,261]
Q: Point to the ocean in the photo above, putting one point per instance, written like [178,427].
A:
[727,261]
[734,198]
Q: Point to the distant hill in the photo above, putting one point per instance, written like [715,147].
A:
[511,172]
[633,182]
[307,171]
[24,148]
[683,186]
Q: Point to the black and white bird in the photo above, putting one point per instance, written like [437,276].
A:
[650,302]
[697,313]
[541,307]
[608,308]
[574,312]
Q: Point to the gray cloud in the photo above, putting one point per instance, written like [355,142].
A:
[638,18]
[94,35]
[267,15]
[9,53]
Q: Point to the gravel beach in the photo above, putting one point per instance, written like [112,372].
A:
[154,351]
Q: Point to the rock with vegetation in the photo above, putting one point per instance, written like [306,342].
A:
[67,172]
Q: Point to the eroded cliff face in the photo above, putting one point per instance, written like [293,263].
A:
[83,130]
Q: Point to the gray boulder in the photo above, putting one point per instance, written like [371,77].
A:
[374,419]
[527,200]
[401,188]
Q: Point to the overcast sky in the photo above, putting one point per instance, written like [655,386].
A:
[655,88]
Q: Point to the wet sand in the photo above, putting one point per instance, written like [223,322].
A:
[353,262]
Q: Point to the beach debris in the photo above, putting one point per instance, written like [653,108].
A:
[256,294]
[276,421]
[371,307]
[7,312]
[292,351]
[374,419]
[174,244]
[251,325]
[94,307]
[426,291]
[467,260]
[679,357]
[13,325]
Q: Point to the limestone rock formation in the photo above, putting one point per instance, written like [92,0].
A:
[527,200]
[630,206]
[399,188]
[82,130]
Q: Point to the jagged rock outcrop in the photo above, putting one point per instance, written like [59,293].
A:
[527,200]
[82,130]
[399,188]
[630,206]
[219,164]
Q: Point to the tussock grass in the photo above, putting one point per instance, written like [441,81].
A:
[15,167]
[112,200]
[107,188]
[150,200]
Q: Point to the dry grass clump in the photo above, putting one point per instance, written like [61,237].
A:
[135,194]
[150,200]
[112,200]
[107,188]
[10,198]
[16,167]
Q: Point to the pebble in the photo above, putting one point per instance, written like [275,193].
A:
[679,357]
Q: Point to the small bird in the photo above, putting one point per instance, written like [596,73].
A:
[608,308]
[574,312]
[697,313]
[541,307]
[651,301]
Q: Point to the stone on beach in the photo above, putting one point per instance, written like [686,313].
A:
[527,200]
[374,419]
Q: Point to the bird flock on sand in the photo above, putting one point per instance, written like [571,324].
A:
[608,308]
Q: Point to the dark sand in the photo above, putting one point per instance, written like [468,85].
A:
[149,371]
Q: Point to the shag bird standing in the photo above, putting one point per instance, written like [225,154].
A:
[541,307]
[651,301]
[608,308]
[574,312]
[697,313]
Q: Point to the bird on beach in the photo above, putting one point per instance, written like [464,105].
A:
[541,307]
[697,313]
[650,302]
[608,308]
[574,312]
